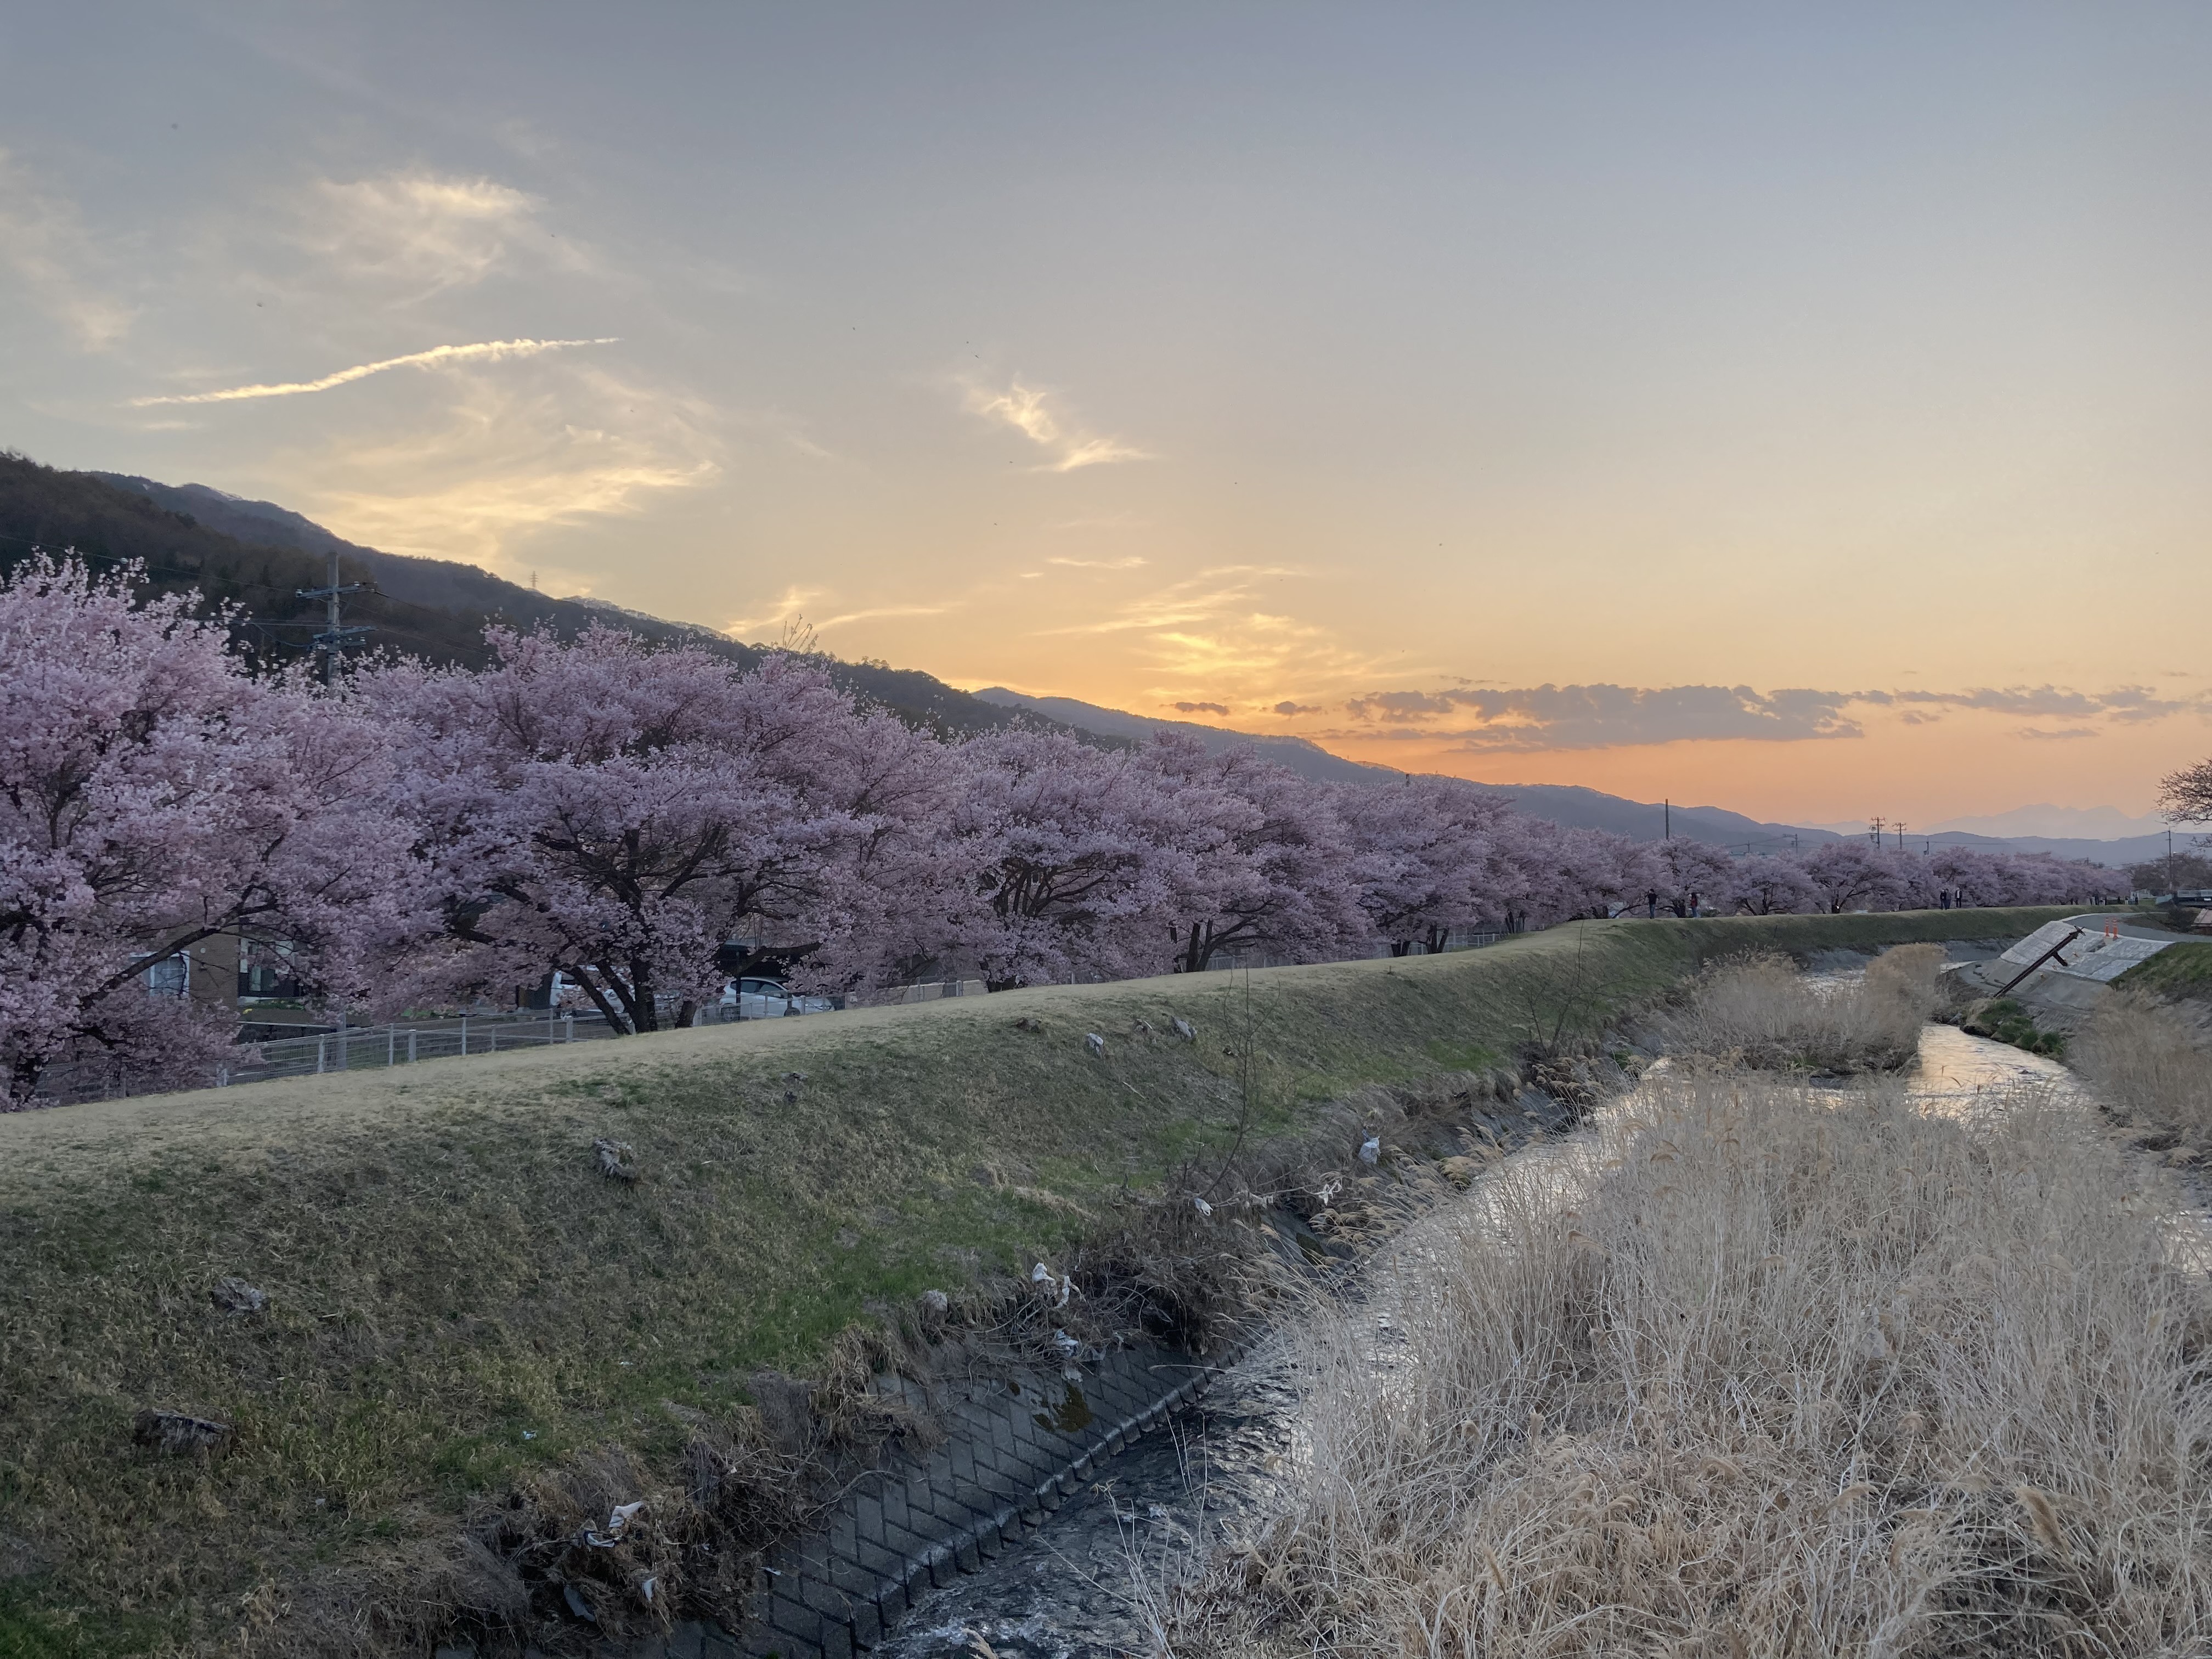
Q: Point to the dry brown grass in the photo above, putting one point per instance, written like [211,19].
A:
[1756,1370]
[2151,1058]
[1760,1011]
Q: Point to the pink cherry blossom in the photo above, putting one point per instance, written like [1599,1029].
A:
[153,797]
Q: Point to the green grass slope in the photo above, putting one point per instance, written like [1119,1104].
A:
[2182,970]
[460,1300]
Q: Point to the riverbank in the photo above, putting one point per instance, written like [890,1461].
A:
[462,1300]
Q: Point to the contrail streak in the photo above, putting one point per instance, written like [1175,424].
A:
[444,354]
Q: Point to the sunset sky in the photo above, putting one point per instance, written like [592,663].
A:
[1805,410]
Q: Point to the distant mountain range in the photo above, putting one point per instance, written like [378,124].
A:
[255,555]
[1565,804]
[1590,809]
[2041,821]
[2076,823]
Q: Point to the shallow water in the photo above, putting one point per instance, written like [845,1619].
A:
[1078,1586]
[1955,1067]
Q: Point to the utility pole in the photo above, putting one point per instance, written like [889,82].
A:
[334,637]
[1874,833]
[1667,807]
[1899,827]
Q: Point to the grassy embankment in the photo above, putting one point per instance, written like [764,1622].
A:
[2148,1049]
[2182,970]
[460,1304]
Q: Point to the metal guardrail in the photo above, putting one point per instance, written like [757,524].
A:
[364,1048]
[354,1048]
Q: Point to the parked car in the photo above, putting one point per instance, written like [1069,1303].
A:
[767,998]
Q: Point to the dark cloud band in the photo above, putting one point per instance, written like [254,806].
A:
[1485,718]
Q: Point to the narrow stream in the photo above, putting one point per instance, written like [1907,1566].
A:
[1080,1586]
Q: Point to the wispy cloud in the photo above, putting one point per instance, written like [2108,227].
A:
[421,233]
[2128,703]
[788,607]
[436,357]
[1215,638]
[1128,563]
[46,248]
[1206,596]
[1220,708]
[2058,736]
[788,613]
[504,462]
[888,610]
[1026,409]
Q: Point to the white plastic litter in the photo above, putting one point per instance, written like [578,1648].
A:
[1066,1343]
[1201,1206]
[618,1522]
[1370,1149]
[1096,1044]
[1044,1275]
[1186,1030]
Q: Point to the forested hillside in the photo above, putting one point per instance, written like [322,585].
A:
[258,555]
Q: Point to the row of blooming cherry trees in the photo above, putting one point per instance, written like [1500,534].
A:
[629,818]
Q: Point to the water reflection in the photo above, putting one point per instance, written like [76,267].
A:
[1956,1070]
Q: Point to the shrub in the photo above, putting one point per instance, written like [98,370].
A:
[2151,1058]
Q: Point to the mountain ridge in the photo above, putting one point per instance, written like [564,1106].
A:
[1570,804]
[1575,805]
[256,555]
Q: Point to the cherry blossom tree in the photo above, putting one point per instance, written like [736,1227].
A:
[1691,872]
[1078,852]
[1579,872]
[1768,886]
[621,814]
[1271,859]
[1849,874]
[2185,797]
[154,797]
[1426,858]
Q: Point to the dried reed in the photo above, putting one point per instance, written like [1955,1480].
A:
[1758,1369]
[2151,1058]
[1759,1010]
